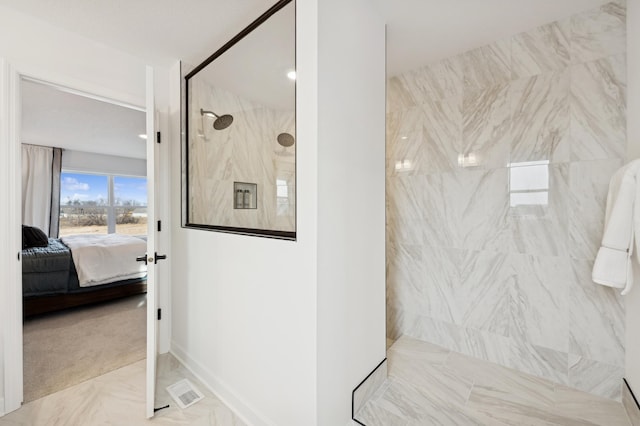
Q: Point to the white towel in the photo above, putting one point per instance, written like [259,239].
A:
[614,263]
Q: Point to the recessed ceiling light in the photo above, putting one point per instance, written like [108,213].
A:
[143,136]
[291,75]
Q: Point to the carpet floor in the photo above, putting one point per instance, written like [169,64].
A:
[66,348]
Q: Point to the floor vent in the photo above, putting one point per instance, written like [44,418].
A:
[184,393]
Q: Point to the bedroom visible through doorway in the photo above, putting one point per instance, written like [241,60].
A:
[84,292]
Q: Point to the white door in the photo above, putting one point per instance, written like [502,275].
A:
[152,255]
[10,265]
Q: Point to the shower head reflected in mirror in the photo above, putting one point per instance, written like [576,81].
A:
[221,121]
[286,140]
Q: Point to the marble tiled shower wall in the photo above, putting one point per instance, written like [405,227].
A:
[247,151]
[470,267]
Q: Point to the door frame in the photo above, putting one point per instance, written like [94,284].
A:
[11,325]
[11,283]
[152,246]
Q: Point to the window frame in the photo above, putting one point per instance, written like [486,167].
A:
[110,206]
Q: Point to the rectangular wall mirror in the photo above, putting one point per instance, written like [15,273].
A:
[240,132]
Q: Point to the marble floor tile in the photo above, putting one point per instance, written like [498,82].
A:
[449,387]
[427,385]
[491,403]
[630,405]
[514,385]
[496,395]
[418,349]
[592,408]
[595,377]
[118,398]
[370,386]
[374,415]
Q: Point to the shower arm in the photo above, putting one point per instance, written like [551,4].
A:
[203,113]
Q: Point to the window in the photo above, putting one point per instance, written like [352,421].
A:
[130,201]
[283,197]
[529,183]
[102,204]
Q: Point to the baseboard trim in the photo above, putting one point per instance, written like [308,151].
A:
[378,375]
[220,389]
[630,403]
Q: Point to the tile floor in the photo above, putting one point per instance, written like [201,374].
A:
[429,385]
[118,398]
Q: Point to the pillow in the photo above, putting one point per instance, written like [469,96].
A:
[33,237]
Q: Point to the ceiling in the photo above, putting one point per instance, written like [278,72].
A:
[270,50]
[163,31]
[420,32]
[159,31]
[55,117]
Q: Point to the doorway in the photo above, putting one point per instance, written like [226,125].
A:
[11,114]
[99,191]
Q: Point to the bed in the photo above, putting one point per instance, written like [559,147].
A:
[58,276]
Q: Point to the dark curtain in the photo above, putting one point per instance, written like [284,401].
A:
[54,223]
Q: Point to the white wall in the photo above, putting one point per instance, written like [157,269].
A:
[79,161]
[283,331]
[632,300]
[351,202]
[40,50]
[244,308]
[62,55]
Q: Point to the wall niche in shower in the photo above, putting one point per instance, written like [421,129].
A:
[239,126]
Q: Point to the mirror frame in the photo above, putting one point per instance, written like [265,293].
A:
[267,233]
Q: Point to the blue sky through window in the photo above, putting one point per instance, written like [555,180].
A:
[81,188]
[130,191]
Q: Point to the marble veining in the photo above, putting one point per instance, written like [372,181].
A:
[481,260]
[598,106]
[540,297]
[599,32]
[398,96]
[437,81]
[487,66]
[370,386]
[540,118]
[246,151]
[118,398]
[596,318]
[589,184]
[540,50]
[486,278]
[595,377]
[630,406]
[430,385]
[441,124]
[487,125]
[539,361]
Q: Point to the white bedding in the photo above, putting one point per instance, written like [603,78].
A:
[100,259]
